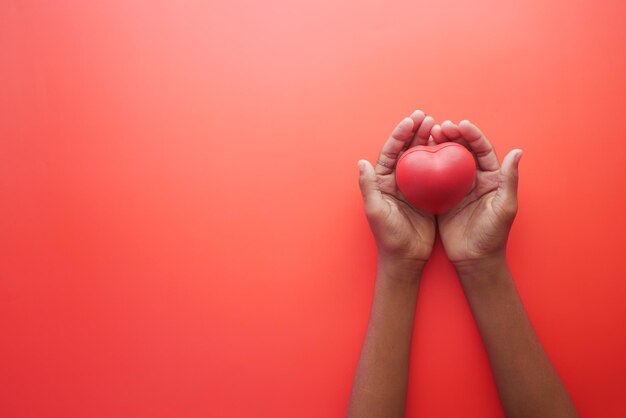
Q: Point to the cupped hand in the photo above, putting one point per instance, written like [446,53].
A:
[477,229]
[401,231]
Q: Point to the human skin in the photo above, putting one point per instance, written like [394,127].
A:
[474,235]
[404,239]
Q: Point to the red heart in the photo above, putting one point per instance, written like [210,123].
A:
[435,178]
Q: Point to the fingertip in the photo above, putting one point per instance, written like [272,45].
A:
[436,133]
[426,127]
[511,161]
[450,130]
[418,117]
[363,165]
[403,129]
[515,155]
[469,130]
[408,122]
[518,156]
[466,126]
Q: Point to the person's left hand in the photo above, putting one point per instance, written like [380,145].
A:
[402,232]
[475,232]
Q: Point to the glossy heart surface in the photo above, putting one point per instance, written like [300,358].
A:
[435,178]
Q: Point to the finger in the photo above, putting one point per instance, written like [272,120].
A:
[480,146]
[388,157]
[450,130]
[437,134]
[510,170]
[423,131]
[368,183]
[506,197]
[418,118]
[431,141]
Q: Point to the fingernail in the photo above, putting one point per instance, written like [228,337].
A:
[361,166]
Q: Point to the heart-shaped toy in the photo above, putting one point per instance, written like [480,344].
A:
[435,178]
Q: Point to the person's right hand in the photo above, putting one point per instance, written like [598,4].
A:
[403,233]
[476,230]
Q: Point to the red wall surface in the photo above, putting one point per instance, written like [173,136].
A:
[181,231]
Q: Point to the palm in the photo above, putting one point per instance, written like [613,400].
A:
[400,230]
[408,229]
[478,226]
[473,227]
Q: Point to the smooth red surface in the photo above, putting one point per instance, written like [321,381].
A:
[181,231]
[436,178]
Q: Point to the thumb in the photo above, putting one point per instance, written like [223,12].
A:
[510,170]
[368,182]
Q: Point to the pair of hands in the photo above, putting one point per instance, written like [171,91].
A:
[473,233]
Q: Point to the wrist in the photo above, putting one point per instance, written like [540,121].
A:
[399,269]
[485,279]
[487,267]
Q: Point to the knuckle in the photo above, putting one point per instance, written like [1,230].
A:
[391,155]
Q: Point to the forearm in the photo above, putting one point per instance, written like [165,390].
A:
[527,383]
[380,384]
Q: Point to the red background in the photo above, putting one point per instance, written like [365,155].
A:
[181,232]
